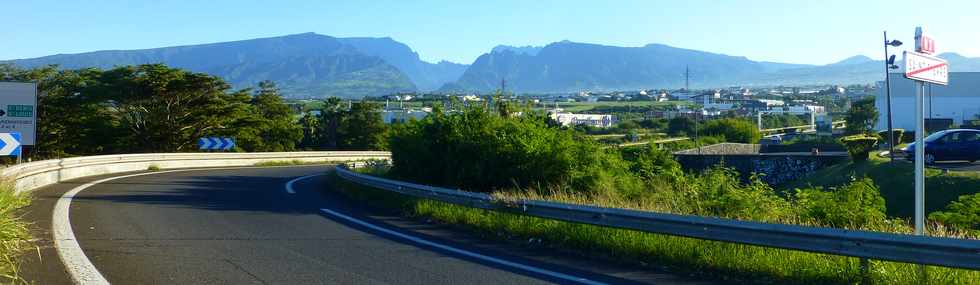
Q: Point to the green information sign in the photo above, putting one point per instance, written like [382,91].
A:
[20,111]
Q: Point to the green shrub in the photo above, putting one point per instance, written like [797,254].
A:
[649,162]
[733,130]
[481,151]
[963,213]
[898,133]
[859,146]
[854,205]
[681,126]
[719,192]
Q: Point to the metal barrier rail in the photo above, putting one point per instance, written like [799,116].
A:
[949,252]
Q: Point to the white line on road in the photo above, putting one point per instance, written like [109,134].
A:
[289,185]
[495,260]
[79,267]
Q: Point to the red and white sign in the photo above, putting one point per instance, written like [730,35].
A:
[926,68]
[923,43]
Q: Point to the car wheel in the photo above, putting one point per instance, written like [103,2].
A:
[930,159]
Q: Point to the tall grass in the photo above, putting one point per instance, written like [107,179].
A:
[710,259]
[14,235]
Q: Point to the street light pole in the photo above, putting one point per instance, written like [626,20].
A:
[888,95]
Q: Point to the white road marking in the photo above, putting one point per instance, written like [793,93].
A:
[289,185]
[495,260]
[79,267]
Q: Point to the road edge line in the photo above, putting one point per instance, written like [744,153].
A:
[289,185]
[79,267]
[486,258]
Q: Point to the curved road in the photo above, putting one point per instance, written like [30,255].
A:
[243,226]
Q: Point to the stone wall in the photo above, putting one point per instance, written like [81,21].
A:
[773,168]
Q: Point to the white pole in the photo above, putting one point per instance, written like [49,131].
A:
[920,155]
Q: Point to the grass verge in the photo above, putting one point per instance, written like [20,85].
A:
[686,256]
[897,183]
[14,234]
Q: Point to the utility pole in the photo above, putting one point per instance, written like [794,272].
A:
[687,79]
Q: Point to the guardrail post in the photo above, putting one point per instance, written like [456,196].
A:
[865,268]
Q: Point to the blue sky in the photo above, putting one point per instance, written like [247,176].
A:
[797,31]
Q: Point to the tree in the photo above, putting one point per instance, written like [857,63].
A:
[311,131]
[862,117]
[276,128]
[363,128]
[680,126]
[69,121]
[330,119]
[167,109]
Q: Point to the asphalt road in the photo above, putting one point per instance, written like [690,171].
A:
[241,226]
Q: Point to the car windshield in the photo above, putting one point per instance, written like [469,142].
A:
[936,136]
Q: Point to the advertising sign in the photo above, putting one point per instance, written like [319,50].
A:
[18,110]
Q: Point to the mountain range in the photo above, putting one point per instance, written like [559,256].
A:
[303,65]
[572,67]
[312,65]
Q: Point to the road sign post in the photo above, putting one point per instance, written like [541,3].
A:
[921,67]
[920,155]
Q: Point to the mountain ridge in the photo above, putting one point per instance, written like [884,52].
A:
[314,65]
[567,66]
[235,61]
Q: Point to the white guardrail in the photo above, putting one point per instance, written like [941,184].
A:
[949,252]
[33,175]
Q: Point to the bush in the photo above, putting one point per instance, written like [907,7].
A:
[854,205]
[480,151]
[963,213]
[719,192]
[859,146]
[898,136]
[681,126]
[650,162]
[733,130]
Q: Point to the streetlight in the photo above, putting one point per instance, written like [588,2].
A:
[890,64]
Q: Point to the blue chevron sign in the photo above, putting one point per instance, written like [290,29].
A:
[10,144]
[216,143]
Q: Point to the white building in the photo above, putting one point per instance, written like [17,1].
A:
[401,116]
[960,100]
[595,120]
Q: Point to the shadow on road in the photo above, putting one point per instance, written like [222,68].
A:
[216,193]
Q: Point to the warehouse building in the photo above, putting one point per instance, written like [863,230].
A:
[959,101]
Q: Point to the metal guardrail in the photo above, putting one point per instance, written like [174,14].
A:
[949,252]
